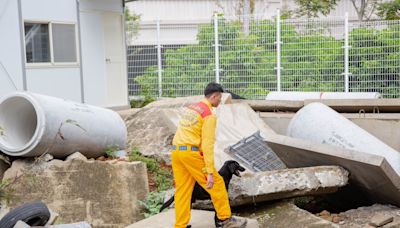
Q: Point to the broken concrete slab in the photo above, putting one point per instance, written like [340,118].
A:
[371,173]
[362,216]
[364,105]
[385,126]
[199,219]
[150,131]
[260,187]
[184,101]
[101,193]
[286,183]
[286,214]
[272,106]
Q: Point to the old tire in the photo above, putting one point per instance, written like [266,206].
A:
[34,214]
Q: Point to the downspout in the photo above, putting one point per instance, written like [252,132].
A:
[22,43]
[80,52]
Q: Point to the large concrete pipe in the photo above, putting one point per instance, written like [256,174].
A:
[33,124]
[301,96]
[318,123]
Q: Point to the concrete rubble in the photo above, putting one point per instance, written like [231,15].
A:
[106,193]
[373,216]
[199,219]
[285,214]
[286,183]
[101,193]
[259,187]
[367,171]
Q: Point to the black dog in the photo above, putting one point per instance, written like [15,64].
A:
[229,169]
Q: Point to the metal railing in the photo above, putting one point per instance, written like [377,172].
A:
[172,59]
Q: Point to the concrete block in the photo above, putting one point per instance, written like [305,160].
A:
[286,183]
[98,192]
[367,171]
[381,220]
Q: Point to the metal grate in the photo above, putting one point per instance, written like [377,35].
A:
[255,154]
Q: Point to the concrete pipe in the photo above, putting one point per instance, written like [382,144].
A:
[318,123]
[301,96]
[33,124]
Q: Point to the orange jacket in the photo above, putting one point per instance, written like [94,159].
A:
[197,128]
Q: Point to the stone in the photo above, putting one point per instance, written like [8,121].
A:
[335,218]
[101,158]
[324,213]
[199,219]
[285,214]
[21,224]
[72,225]
[48,157]
[53,217]
[4,164]
[381,219]
[76,155]
[94,191]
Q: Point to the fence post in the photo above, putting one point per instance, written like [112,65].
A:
[216,46]
[346,52]
[159,62]
[278,49]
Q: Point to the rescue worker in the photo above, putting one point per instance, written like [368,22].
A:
[193,160]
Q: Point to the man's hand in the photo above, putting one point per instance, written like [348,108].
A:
[210,181]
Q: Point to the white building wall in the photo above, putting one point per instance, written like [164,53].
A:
[204,9]
[104,58]
[56,80]
[10,49]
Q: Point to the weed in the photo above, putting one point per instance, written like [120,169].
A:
[110,151]
[152,203]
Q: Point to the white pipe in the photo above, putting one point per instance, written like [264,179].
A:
[318,123]
[216,48]
[278,50]
[300,96]
[33,124]
[346,52]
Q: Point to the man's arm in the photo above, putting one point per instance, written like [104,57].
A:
[207,142]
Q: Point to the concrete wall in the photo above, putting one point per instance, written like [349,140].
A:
[10,48]
[385,127]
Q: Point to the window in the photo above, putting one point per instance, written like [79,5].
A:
[37,43]
[39,49]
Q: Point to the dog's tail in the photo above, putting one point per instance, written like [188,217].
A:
[167,204]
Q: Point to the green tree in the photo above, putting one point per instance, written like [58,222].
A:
[365,8]
[389,10]
[132,24]
[312,8]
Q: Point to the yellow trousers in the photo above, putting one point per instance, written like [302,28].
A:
[188,168]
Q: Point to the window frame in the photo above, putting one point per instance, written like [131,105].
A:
[52,64]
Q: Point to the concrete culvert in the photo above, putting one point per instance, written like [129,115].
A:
[33,124]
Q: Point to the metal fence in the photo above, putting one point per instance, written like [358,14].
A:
[172,59]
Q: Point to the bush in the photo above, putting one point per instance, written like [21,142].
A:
[313,61]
